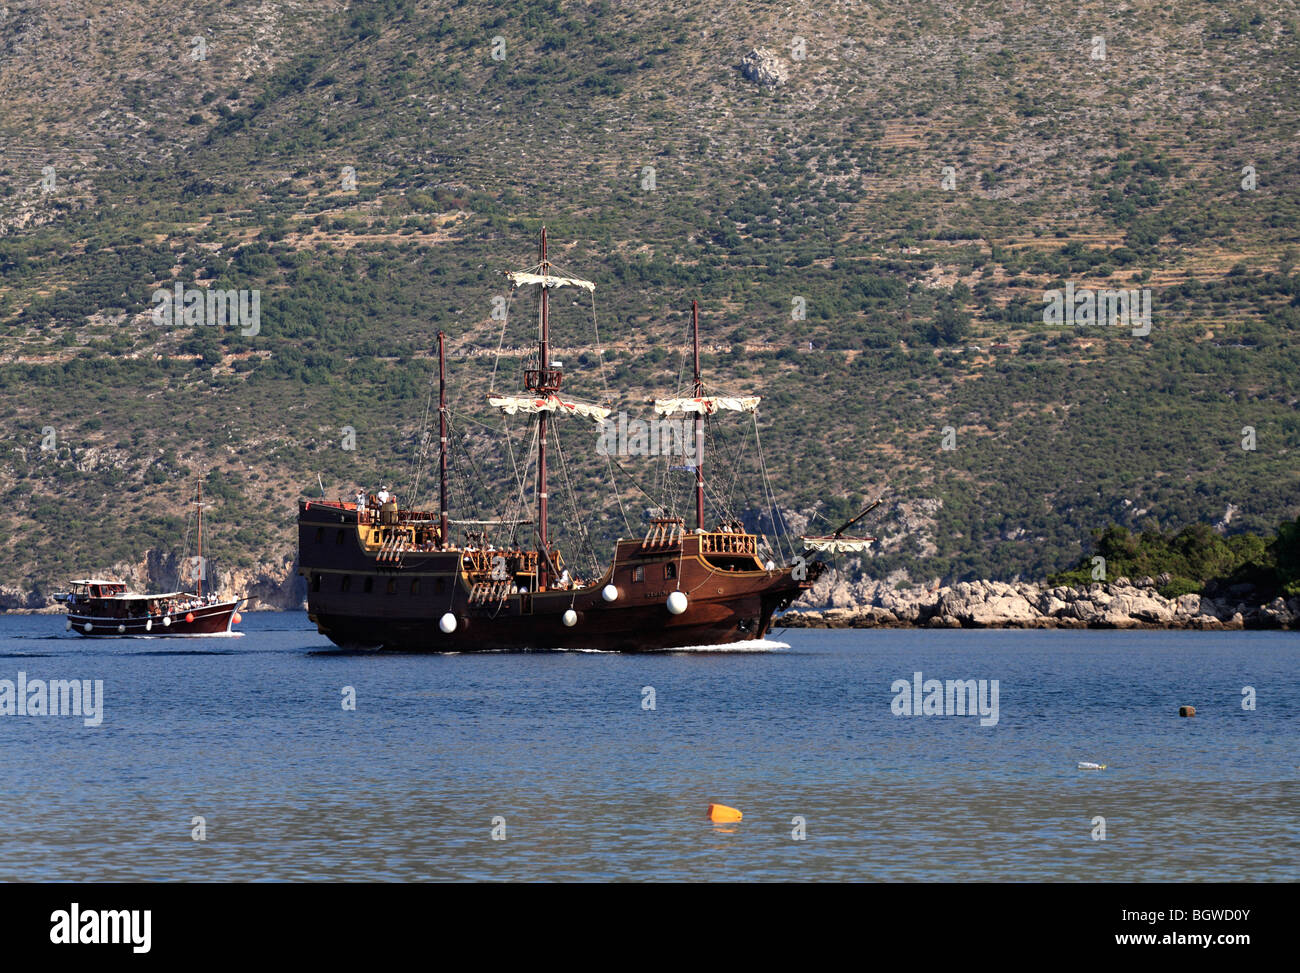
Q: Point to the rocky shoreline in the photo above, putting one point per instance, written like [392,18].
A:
[1121,604]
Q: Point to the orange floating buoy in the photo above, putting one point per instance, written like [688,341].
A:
[189,617]
[1187,711]
[236,618]
[720,813]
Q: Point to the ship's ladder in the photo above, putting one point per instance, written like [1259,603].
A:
[485,592]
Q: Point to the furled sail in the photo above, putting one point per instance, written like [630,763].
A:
[511,404]
[520,277]
[837,545]
[707,404]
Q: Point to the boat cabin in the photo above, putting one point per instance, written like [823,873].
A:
[95,588]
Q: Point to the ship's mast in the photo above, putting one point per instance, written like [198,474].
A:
[442,442]
[544,362]
[198,503]
[699,421]
[544,381]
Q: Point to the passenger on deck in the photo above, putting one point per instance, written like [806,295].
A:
[387,507]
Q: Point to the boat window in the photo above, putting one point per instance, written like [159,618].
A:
[392,586]
[638,573]
[415,586]
[346,583]
[320,534]
[338,539]
[442,584]
[369,585]
[670,569]
[315,581]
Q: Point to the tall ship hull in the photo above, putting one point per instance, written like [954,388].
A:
[448,600]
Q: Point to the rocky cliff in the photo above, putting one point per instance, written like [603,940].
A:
[272,585]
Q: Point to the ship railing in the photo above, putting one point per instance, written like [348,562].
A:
[721,542]
[481,562]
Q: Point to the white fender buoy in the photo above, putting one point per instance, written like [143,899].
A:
[148,626]
[570,618]
[609,593]
[121,629]
[167,621]
[67,626]
[771,565]
[88,627]
[447,623]
[677,602]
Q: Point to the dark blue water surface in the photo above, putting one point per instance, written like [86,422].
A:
[250,734]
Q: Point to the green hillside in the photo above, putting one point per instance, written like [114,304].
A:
[664,175]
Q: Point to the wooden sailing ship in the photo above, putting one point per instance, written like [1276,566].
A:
[101,608]
[397,578]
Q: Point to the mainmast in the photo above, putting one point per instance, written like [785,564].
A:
[545,381]
[442,443]
[698,392]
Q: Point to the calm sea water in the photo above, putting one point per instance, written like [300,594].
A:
[250,734]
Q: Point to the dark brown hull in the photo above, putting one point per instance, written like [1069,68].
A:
[408,597]
[604,627]
[208,620]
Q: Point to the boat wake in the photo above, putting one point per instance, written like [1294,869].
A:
[750,645]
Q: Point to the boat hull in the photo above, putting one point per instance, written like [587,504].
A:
[627,628]
[407,602]
[213,619]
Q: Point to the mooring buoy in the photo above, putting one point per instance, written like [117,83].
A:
[721,814]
